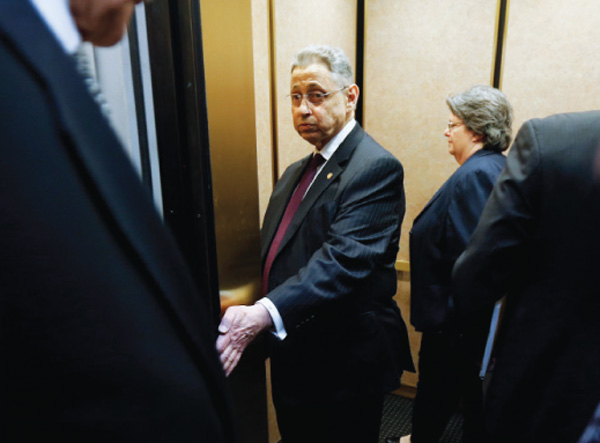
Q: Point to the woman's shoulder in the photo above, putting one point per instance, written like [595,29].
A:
[478,170]
[483,161]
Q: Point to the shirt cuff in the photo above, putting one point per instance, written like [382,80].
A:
[279,331]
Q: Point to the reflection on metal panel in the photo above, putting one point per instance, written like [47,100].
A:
[227,41]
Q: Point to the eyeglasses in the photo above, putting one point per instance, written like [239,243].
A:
[314,98]
[452,125]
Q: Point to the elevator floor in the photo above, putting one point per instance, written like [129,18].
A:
[396,420]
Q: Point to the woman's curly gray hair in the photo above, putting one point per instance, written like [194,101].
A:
[486,111]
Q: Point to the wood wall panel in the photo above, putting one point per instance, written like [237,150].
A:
[551,59]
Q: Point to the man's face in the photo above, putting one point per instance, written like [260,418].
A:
[102,22]
[319,123]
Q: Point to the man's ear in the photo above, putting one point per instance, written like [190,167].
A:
[353,94]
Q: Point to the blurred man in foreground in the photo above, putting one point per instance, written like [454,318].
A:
[538,242]
[103,336]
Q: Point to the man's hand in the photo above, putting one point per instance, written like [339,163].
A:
[239,326]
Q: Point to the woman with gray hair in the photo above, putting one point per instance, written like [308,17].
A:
[478,131]
[486,114]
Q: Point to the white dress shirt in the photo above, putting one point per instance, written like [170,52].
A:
[57,16]
[327,151]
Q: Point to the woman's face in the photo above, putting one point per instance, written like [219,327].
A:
[462,142]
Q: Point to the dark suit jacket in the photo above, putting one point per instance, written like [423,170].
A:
[440,234]
[103,336]
[333,278]
[538,239]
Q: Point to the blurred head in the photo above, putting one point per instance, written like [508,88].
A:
[102,22]
[322,93]
[486,112]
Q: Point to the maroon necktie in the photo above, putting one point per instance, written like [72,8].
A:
[290,210]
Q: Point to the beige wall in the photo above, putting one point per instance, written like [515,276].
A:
[417,53]
[552,61]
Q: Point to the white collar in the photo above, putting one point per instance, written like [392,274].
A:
[57,16]
[328,150]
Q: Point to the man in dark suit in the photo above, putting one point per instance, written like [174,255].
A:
[329,245]
[103,335]
[538,241]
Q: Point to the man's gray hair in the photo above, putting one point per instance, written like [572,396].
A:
[333,58]
[485,111]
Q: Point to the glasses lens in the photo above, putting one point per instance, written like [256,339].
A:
[296,99]
[316,98]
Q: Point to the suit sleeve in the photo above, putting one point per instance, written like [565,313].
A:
[496,251]
[366,223]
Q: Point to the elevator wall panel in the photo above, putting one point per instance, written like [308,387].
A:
[551,60]
[417,53]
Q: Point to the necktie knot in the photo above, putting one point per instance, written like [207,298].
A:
[316,161]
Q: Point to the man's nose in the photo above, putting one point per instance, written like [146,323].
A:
[304,106]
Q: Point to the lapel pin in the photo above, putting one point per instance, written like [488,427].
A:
[329,176]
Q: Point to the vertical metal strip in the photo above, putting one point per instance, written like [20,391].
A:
[177,66]
[274,101]
[500,42]
[364,61]
[140,107]
[360,56]
[198,143]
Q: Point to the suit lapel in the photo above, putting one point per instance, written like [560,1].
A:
[332,169]
[278,203]
[107,173]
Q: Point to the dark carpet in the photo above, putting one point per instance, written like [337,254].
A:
[396,421]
